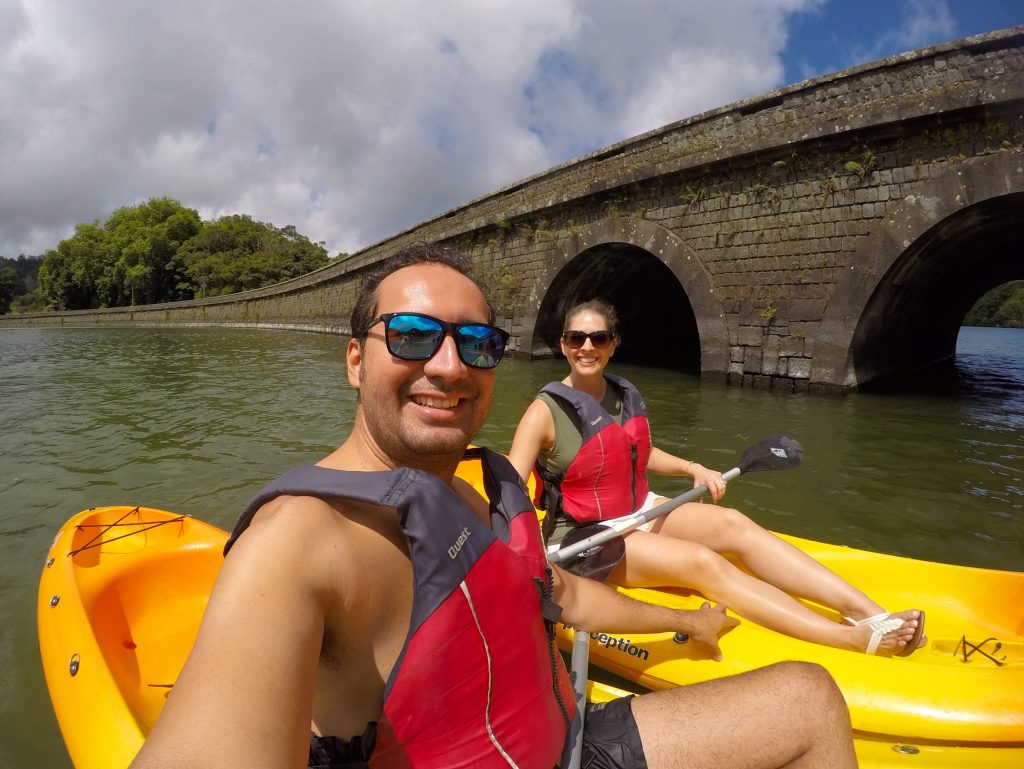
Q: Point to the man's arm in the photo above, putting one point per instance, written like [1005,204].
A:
[245,695]
[593,606]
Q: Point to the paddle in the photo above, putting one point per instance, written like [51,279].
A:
[777,452]
[593,551]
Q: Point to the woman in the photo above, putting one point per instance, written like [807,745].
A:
[588,437]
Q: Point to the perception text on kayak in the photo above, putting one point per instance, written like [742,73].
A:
[619,644]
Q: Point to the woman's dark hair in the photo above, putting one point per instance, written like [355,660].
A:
[365,308]
[598,307]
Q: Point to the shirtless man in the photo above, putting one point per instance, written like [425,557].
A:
[377,589]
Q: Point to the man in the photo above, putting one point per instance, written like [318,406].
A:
[383,602]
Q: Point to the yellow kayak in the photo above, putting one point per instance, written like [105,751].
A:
[120,599]
[966,686]
[121,596]
[963,691]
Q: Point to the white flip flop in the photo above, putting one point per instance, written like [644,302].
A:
[880,624]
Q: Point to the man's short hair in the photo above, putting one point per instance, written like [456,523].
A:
[365,308]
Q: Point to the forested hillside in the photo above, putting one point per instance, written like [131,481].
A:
[1003,306]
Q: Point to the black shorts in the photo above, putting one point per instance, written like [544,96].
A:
[610,737]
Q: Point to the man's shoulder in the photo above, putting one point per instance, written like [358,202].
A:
[311,529]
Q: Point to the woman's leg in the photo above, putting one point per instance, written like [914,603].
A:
[654,560]
[770,558]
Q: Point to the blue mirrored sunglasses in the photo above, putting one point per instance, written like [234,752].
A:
[414,336]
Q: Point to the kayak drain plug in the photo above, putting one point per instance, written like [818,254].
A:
[680,638]
[73,664]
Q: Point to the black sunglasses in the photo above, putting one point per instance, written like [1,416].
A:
[414,336]
[576,339]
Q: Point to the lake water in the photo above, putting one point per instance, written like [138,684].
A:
[196,421]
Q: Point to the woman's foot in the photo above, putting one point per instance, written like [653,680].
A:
[900,633]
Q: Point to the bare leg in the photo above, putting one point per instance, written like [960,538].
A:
[786,715]
[654,560]
[770,558]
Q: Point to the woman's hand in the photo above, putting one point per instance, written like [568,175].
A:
[710,478]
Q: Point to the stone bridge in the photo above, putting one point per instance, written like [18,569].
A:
[816,237]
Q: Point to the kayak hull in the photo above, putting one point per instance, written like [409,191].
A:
[942,693]
[120,599]
[122,611]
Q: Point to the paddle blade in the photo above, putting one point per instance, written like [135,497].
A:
[597,562]
[776,452]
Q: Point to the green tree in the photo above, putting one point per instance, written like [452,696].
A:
[27,271]
[236,253]
[1011,313]
[7,279]
[142,259]
[71,273]
[160,251]
[999,307]
[31,302]
[129,259]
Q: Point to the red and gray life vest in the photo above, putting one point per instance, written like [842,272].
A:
[478,682]
[608,477]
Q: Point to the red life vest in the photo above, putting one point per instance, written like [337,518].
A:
[608,477]
[478,682]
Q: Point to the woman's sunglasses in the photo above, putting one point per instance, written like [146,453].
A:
[414,336]
[574,340]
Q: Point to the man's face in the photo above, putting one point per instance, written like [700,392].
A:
[421,413]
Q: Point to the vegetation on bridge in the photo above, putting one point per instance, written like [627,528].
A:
[157,251]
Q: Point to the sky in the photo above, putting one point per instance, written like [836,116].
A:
[355,119]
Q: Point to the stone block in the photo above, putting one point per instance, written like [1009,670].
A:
[751,336]
[782,384]
[752,360]
[792,346]
[799,368]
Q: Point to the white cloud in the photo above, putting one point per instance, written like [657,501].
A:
[919,23]
[924,22]
[350,120]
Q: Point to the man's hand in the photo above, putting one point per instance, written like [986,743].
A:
[706,625]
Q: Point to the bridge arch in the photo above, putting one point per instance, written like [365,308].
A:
[669,313]
[907,288]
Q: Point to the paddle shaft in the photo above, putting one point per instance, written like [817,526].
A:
[629,522]
[578,675]
[581,643]
[784,453]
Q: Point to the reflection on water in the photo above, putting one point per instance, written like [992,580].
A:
[197,420]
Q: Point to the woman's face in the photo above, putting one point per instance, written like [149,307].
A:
[587,359]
